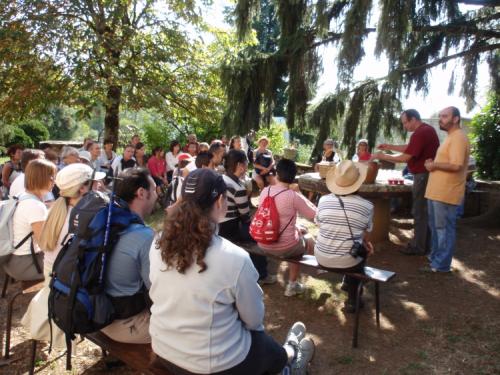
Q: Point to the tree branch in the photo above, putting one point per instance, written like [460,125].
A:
[472,51]
[332,37]
[459,30]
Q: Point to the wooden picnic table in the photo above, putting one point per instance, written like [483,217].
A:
[378,193]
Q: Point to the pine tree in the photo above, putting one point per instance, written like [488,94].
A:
[414,35]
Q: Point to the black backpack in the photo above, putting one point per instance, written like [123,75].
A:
[78,303]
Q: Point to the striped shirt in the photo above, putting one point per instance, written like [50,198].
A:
[334,238]
[237,200]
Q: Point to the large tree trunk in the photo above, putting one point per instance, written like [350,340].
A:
[112,117]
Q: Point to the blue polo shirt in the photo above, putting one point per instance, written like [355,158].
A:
[128,265]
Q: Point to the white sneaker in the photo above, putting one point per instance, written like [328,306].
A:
[294,288]
[304,356]
[268,280]
[298,330]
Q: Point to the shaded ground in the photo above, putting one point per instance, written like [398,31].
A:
[431,323]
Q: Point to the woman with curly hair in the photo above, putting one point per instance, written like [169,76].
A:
[208,310]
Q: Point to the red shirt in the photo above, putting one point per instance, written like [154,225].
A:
[156,166]
[423,145]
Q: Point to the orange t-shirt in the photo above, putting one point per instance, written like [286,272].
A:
[449,187]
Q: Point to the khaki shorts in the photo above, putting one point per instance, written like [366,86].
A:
[296,251]
[133,330]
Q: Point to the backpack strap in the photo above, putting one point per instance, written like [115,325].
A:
[274,196]
[21,243]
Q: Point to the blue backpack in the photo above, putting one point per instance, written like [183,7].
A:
[78,302]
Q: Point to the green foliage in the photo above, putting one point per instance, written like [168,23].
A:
[414,36]
[116,54]
[351,51]
[17,135]
[304,153]
[276,134]
[61,123]
[486,139]
[35,130]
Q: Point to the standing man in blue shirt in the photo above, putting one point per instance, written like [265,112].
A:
[127,275]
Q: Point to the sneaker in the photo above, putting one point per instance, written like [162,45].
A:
[298,331]
[304,356]
[427,269]
[268,280]
[410,250]
[293,289]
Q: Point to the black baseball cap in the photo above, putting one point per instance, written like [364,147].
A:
[203,186]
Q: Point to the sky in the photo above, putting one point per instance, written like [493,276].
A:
[427,104]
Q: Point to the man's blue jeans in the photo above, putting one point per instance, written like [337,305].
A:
[442,221]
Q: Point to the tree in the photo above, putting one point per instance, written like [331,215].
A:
[30,82]
[267,29]
[133,53]
[414,35]
[60,122]
[485,132]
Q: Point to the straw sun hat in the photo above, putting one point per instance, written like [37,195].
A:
[346,178]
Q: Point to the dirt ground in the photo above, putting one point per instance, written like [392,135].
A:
[430,323]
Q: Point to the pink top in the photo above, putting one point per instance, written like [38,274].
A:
[289,204]
[156,166]
[364,156]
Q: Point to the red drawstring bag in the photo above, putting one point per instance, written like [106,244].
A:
[265,225]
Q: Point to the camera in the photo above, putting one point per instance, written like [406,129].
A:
[358,250]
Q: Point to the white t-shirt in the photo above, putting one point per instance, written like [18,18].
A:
[17,188]
[29,210]
[171,161]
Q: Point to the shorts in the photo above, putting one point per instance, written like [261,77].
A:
[296,251]
[272,172]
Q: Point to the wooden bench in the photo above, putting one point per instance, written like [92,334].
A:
[27,287]
[137,356]
[372,274]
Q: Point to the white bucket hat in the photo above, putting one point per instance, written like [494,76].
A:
[76,174]
[346,178]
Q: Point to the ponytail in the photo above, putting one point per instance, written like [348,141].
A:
[56,219]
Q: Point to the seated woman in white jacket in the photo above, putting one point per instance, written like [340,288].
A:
[208,310]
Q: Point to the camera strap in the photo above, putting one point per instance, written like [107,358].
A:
[347,219]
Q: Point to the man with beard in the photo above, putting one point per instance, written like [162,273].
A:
[423,145]
[445,189]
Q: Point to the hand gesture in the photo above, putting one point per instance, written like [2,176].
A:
[383,146]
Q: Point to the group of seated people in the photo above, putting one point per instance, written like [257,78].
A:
[207,312]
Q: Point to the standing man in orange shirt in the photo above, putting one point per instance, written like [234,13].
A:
[446,188]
